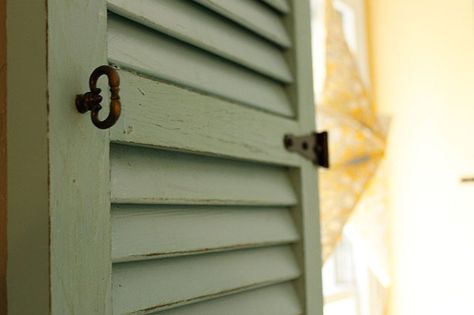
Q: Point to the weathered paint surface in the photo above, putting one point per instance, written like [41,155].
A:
[243,208]
[78,163]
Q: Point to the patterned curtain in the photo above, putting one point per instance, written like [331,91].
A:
[353,189]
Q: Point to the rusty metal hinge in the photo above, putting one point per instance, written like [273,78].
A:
[313,147]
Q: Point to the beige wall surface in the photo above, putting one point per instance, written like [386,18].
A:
[3,161]
[422,72]
[27,169]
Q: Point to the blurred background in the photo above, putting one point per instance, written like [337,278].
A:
[395,89]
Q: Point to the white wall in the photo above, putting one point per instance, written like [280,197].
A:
[422,72]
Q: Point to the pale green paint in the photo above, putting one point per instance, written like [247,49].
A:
[280,299]
[200,27]
[306,215]
[280,5]
[161,115]
[144,287]
[307,212]
[78,163]
[58,227]
[190,230]
[147,176]
[253,15]
[148,52]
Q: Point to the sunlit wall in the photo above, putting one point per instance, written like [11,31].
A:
[422,72]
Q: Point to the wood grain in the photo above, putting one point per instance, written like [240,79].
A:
[157,114]
[280,5]
[199,27]
[253,15]
[305,177]
[79,186]
[148,176]
[203,152]
[148,286]
[147,232]
[280,299]
[145,51]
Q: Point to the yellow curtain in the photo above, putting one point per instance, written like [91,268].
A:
[356,145]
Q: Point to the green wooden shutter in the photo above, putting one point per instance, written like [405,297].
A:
[208,213]
[204,219]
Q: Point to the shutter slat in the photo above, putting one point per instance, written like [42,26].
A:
[163,115]
[280,5]
[146,232]
[142,175]
[148,286]
[278,299]
[198,26]
[157,55]
[253,15]
[204,213]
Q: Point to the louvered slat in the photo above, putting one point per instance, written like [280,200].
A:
[163,115]
[253,15]
[149,52]
[141,175]
[278,299]
[198,26]
[280,5]
[148,286]
[202,197]
[146,232]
